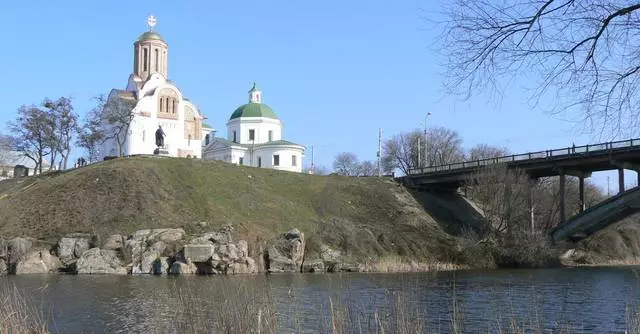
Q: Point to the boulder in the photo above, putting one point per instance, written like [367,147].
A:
[286,252]
[161,266]
[243,248]
[244,266]
[145,246]
[100,261]
[71,247]
[38,262]
[199,253]
[113,242]
[313,266]
[144,264]
[181,268]
[18,248]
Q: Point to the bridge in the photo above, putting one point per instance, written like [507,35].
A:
[577,161]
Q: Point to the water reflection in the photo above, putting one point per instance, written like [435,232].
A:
[587,299]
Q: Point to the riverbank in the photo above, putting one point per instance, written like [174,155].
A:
[374,224]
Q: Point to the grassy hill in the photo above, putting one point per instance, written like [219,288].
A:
[363,217]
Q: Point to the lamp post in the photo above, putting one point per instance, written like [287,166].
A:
[425,139]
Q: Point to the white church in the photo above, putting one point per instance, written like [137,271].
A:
[254,132]
[254,138]
[158,103]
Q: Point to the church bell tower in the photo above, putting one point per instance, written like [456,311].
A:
[150,53]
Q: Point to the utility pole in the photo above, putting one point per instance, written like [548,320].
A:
[379,150]
[313,167]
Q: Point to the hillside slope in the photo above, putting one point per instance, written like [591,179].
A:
[363,217]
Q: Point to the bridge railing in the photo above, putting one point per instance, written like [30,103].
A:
[548,154]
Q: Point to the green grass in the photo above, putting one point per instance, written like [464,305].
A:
[363,217]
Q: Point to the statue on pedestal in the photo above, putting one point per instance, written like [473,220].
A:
[160,137]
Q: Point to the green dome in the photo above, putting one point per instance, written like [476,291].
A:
[150,35]
[253,109]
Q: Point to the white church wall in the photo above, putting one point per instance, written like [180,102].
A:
[285,154]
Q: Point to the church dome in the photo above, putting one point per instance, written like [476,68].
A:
[150,35]
[254,109]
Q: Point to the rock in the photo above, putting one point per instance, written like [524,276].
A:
[71,247]
[161,266]
[144,264]
[286,252]
[114,242]
[100,261]
[213,238]
[313,266]
[18,248]
[243,248]
[170,235]
[145,246]
[198,253]
[245,266]
[3,268]
[281,264]
[329,255]
[180,268]
[38,262]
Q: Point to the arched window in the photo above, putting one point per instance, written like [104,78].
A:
[174,104]
[157,60]
[162,104]
[166,100]
[145,58]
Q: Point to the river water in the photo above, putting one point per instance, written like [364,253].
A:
[588,300]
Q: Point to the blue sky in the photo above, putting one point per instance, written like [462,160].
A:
[334,71]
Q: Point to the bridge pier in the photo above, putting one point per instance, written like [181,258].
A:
[620,180]
[561,195]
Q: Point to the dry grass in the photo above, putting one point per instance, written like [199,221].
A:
[18,314]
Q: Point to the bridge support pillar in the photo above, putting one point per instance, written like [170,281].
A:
[581,185]
[561,196]
[620,180]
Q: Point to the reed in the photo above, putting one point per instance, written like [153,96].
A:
[18,313]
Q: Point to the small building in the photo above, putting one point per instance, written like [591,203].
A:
[254,138]
[16,164]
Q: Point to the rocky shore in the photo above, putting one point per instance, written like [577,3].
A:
[165,251]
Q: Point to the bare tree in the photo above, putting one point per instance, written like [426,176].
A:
[65,122]
[91,133]
[408,151]
[117,114]
[484,151]
[368,168]
[346,164]
[502,195]
[584,53]
[33,133]
[5,147]
[444,146]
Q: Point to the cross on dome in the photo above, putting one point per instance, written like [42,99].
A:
[151,22]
